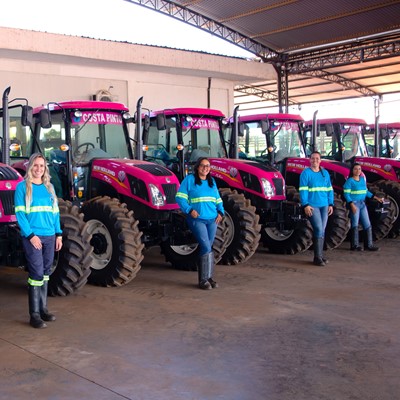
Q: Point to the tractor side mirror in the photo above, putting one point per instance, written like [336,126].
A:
[146,122]
[45,119]
[384,133]
[26,116]
[146,126]
[265,127]
[161,122]
[241,129]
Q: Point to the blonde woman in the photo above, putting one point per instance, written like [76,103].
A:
[38,216]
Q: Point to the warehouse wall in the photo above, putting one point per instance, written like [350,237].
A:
[46,67]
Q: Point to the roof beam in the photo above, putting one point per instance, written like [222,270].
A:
[264,95]
[356,53]
[346,83]
[206,24]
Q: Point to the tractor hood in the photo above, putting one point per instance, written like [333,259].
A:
[297,165]
[382,168]
[249,176]
[148,183]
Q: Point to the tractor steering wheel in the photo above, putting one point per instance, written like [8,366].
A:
[87,144]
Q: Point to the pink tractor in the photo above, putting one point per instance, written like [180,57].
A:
[71,266]
[253,194]
[128,204]
[276,140]
[343,139]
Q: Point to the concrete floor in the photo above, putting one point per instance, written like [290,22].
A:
[278,328]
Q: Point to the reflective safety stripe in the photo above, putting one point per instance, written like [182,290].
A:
[32,282]
[36,209]
[203,200]
[355,191]
[182,195]
[46,278]
[316,189]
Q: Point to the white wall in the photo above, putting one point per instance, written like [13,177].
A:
[46,67]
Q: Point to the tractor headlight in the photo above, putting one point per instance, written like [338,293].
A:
[156,196]
[269,190]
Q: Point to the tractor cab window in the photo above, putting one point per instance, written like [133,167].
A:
[97,134]
[20,136]
[161,145]
[286,140]
[353,141]
[51,139]
[393,143]
[282,137]
[389,142]
[253,143]
[327,143]
[202,137]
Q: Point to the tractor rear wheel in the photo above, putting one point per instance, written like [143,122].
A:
[392,189]
[338,225]
[71,266]
[242,226]
[185,257]
[381,224]
[116,241]
[291,241]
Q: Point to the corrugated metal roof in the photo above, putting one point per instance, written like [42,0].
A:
[303,28]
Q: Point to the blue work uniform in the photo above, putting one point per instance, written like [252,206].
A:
[41,218]
[356,192]
[316,191]
[207,202]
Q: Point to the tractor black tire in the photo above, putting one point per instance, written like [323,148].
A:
[116,241]
[338,225]
[381,226]
[292,241]
[72,263]
[242,225]
[185,257]
[392,189]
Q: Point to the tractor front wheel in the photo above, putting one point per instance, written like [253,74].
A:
[289,241]
[242,225]
[116,241]
[185,257]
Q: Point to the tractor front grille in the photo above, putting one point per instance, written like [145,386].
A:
[170,192]
[7,200]
[278,183]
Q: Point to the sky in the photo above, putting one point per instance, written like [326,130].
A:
[117,20]
[123,21]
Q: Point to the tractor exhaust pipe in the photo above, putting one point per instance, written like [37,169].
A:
[233,148]
[5,156]
[138,130]
[314,131]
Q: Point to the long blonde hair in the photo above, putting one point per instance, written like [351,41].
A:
[45,180]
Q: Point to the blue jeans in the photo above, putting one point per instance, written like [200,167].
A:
[361,215]
[39,261]
[319,220]
[204,230]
